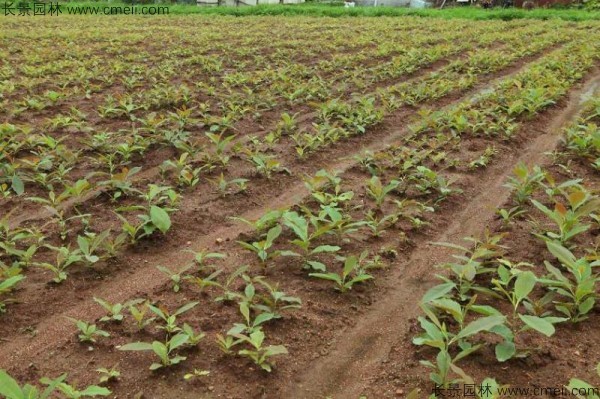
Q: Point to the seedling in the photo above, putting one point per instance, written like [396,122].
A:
[378,191]
[64,258]
[194,338]
[204,282]
[523,282]
[265,165]
[170,320]
[568,220]
[139,315]
[200,257]
[265,222]
[223,185]
[72,392]
[220,144]
[304,241]
[250,324]
[438,336]
[6,286]
[114,310]
[195,374]
[175,277]
[525,182]
[477,261]
[90,244]
[162,350]
[11,389]
[88,332]
[261,248]
[377,224]
[259,354]
[120,184]
[107,375]
[578,288]
[512,213]
[351,274]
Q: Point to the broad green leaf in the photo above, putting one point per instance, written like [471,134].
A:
[245,311]
[161,350]
[178,340]
[349,265]
[262,318]
[160,218]
[273,234]
[9,387]
[297,223]
[185,308]
[490,393]
[524,284]
[538,324]
[95,390]
[437,292]
[276,350]
[17,185]
[136,346]
[325,248]
[317,265]
[327,276]
[576,385]
[450,306]
[483,324]
[505,350]
[562,254]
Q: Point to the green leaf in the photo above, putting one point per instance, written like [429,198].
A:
[245,311]
[327,276]
[485,310]
[160,218]
[262,318]
[178,340]
[9,387]
[349,265]
[576,385]
[136,346]
[95,390]
[587,305]
[505,350]
[17,185]
[155,366]
[297,223]
[524,284]
[276,350]
[483,324]
[325,248]
[437,292]
[450,306]
[161,350]
[273,234]
[185,308]
[562,254]
[317,265]
[51,387]
[493,388]
[538,324]
[9,282]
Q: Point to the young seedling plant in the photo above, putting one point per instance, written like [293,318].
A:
[351,274]
[261,355]
[164,351]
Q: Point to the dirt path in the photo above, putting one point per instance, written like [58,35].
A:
[359,352]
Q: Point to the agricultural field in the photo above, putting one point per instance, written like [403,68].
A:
[298,207]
